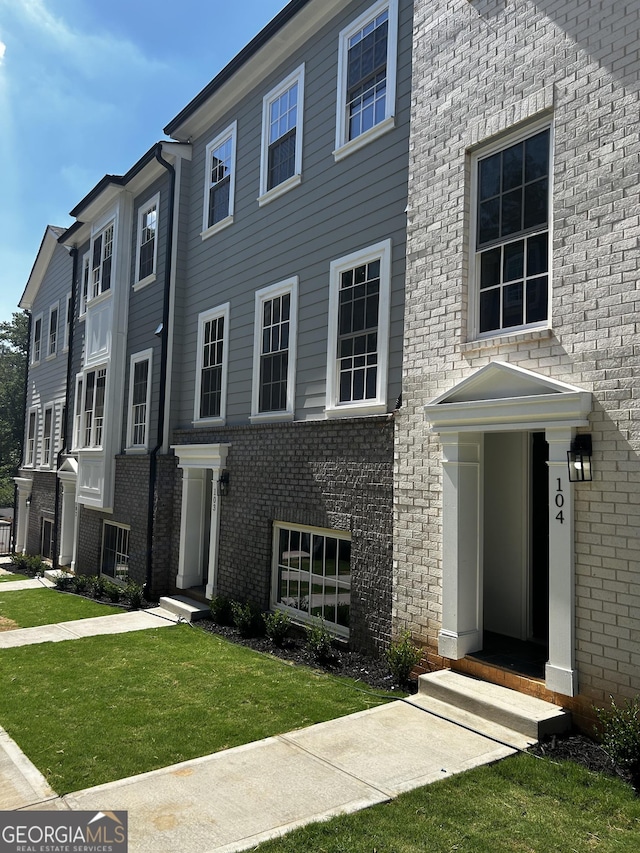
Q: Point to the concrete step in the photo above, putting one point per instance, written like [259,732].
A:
[53,574]
[527,715]
[185,607]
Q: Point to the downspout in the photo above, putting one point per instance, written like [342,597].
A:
[65,443]
[153,456]
[24,421]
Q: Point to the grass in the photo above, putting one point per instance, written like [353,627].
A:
[13,577]
[520,805]
[27,608]
[102,708]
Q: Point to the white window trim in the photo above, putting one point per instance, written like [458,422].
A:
[51,353]
[289,286]
[204,317]
[82,297]
[93,445]
[31,463]
[230,132]
[139,283]
[126,527]
[34,360]
[77,414]
[528,130]
[345,146]
[98,228]
[67,322]
[47,463]
[378,406]
[136,358]
[295,180]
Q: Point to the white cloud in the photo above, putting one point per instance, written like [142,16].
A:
[3,49]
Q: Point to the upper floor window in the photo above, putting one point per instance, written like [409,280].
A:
[367,77]
[115,551]
[101,260]
[53,330]
[211,365]
[281,161]
[139,400]
[47,438]
[30,455]
[84,285]
[219,186]
[95,382]
[67,322]
[512,240]
[274,352]
[147,242]
[359,332]
[36,342]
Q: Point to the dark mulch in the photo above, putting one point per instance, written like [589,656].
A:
[587,752]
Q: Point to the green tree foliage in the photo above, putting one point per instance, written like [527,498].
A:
[13,366]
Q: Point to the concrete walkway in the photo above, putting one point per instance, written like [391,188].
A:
[233,800]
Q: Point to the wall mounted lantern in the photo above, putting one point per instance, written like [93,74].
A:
[223,484]
[579,459]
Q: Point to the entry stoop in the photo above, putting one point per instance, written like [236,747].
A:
[185,607]
[487,708]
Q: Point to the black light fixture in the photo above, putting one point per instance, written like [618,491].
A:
[28,501]
[223,484]
[579,459]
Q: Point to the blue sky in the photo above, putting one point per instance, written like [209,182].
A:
[85,89]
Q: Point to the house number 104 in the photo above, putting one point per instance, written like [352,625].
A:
[559,502]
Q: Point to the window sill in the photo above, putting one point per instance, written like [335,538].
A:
[101,297]
[504,338]
[144,282]
[281,189]
[364,139]
[219,226]
[51,356]
[209,422]
[271,417]
[136,451]
[356,411]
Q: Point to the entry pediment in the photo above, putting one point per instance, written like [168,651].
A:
[68,467]
[502,396]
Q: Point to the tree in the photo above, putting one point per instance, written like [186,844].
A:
[13,368]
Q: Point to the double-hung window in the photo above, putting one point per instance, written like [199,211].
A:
[36,342]
[47,438]
[139,400]
[281,161]
[115,551]
[67,322]
[31,438]
[147,242]
[53,331]
[211,365]
[274,351]
[101,260]
[358,346]
[512,186]
[367,61]
[219,186]
[95,382]
[84,285]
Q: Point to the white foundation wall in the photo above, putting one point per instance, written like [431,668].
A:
[483,68]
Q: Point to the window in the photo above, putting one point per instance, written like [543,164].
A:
[53,330]
[36,343]
[139,400]
[511,234]
[84,285]
[47,438]
[115,551]
[274,351]
[31,438]
[219,182]
[93,413]
[77,416]
[147,245]
[281,160]
[101,261]
[367,77]
[67,322]
[311,575]
[46,539]
[211,365]
[359,332]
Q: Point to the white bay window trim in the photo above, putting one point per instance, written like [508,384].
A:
[368,405]
[83,287]
[32,437]
[212,360]
[48,436]
[147,242]
[52,330]
[282,338]
[93,408]
[217,175]
[294,81]
[139,402]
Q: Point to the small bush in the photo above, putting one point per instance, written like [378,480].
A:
[97,586]
[248,619]
[319,643]
[133,595]
[277,625]
[621,732]
[28,564]
[221,611]
[63,581]
[402,656]
[112,591]
[80,583]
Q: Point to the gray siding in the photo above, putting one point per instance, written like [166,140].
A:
[339,208]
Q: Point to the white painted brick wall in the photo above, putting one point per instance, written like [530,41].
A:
[480,68]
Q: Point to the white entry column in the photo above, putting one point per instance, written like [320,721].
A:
[24,494]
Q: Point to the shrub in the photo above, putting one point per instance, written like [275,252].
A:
[63,581]
[248,619]
[402,656]
[221,611]
[319,642]
[80,583]
[112,591]
[28,564]
[96,586]
[620,733]
[133,595]
[277,625]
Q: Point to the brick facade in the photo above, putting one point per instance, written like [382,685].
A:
[483,68]
[43,501]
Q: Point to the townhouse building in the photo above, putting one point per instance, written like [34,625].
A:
[517,499]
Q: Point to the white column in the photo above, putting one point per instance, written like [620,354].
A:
[214,536]
[191,527]
[561,674]
[67,527]
[461,630]
[22,522]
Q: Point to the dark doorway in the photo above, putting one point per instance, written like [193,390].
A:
[539,534]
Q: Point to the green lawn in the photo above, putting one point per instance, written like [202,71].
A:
[520,805]
[13,577]
[92,710]
[26,608]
